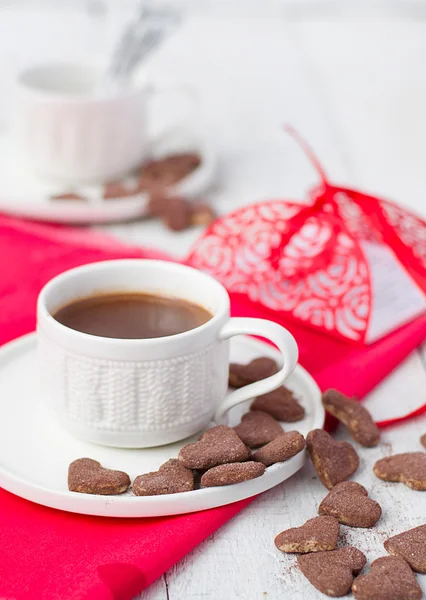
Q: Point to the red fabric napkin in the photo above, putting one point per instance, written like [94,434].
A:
[53,555]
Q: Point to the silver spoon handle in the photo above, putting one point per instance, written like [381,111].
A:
[139,39]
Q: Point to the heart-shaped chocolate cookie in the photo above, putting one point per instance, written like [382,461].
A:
[257,369]
[333,461]
[408,468]
[354,416]
[349,503]
[280,404]
[87,476]
[169,169]
[316,535]
[257,428]
[216,446]
[282,448]
[411,546]
[232,473]
[332,572]
[171,478]
[390,578]
[423,440]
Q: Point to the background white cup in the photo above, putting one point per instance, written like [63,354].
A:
[149,392]
[70,129]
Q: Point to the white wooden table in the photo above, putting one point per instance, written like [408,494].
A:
[356,87]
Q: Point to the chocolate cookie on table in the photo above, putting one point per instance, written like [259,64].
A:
[316,535]
[390,578]
[348,502]
[280,404]
[408,468]
[87,476]
[354,416]
[177,214]
[282,448]
[411,546]
[334,461]
[423,440]
[216,446]
[171,478]
[257,429]
[259,368]
[202,214]
[231,473]
[332,572]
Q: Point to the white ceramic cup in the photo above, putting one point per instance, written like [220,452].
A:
[147,392]
[70,129]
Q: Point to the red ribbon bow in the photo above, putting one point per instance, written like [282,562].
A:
[374,223]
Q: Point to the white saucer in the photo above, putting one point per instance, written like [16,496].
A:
[35,452]
[22,194]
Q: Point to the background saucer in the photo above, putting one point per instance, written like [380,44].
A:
[22,194]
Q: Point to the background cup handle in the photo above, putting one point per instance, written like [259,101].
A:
[276,334]
[188,114]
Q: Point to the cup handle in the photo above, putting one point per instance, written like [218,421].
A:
[155,90]
[276,334]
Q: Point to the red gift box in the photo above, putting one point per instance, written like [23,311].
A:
[348,264]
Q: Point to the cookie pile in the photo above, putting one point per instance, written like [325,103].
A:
[225,456]
[155,178]
[334,571]
[222,456]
